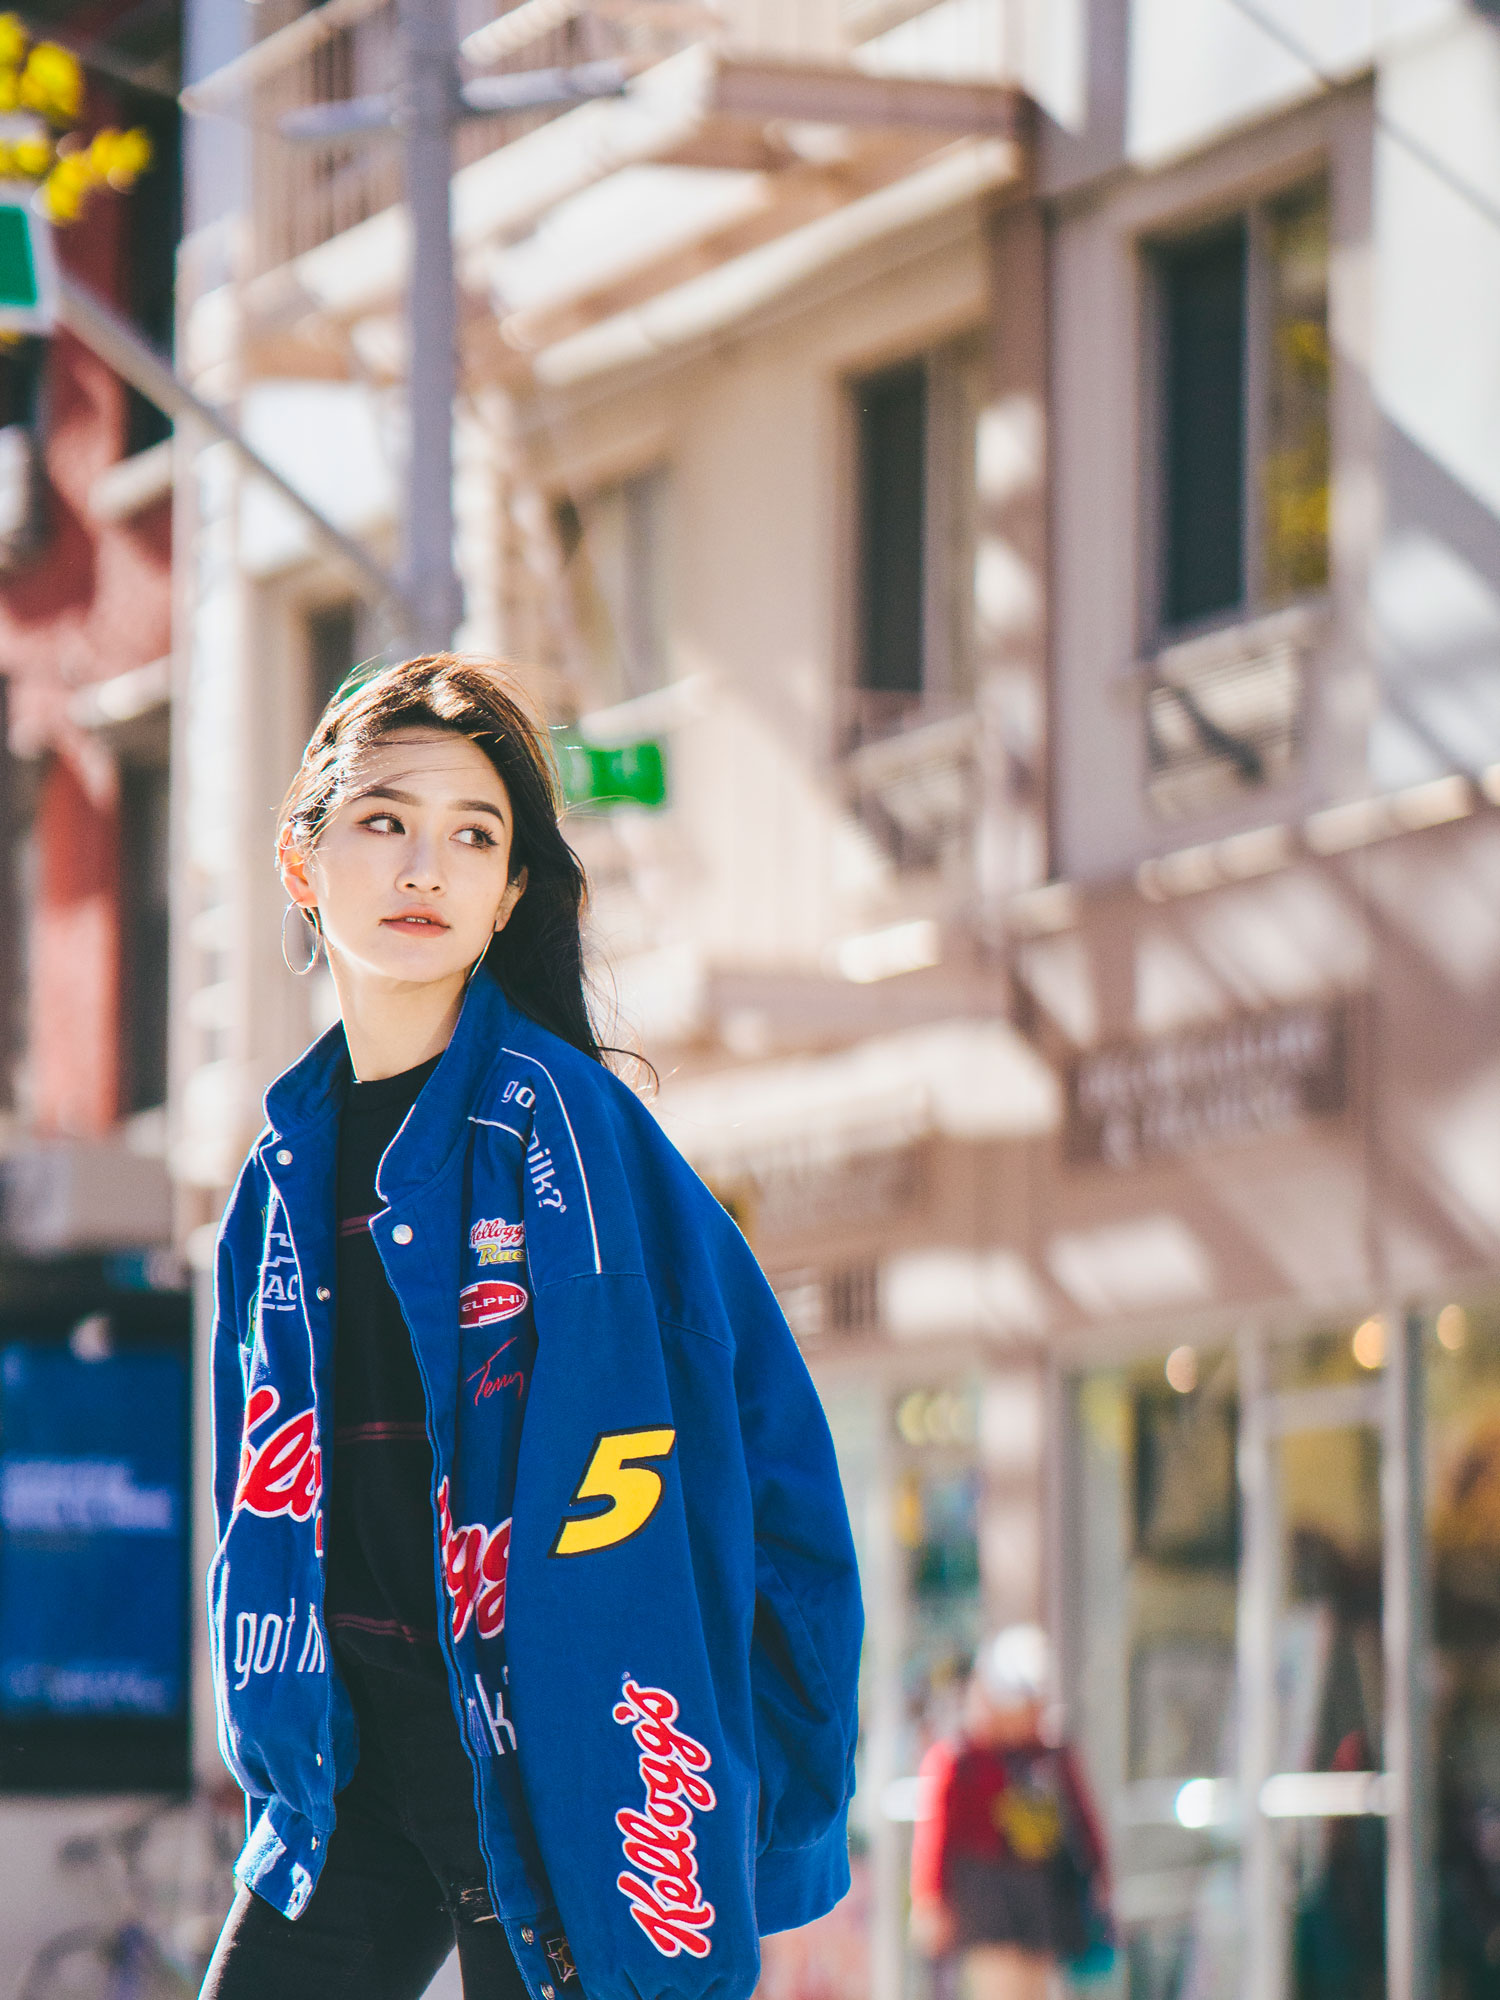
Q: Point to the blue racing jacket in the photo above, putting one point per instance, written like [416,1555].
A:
[649,1602]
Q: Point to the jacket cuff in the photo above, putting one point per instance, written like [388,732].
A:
[793,1885]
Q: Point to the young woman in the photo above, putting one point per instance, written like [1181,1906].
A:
[535,1617]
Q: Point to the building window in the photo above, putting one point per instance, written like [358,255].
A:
[1244,413]
[1243,410]
[1203,340]
[892,412]
[333,634]
[914,443]
[614,553]
[154,227]
[23,511]
[143,929]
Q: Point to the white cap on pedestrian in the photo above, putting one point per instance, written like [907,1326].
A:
[1016,1665]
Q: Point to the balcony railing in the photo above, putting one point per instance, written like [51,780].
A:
[1224,712]
[308,191]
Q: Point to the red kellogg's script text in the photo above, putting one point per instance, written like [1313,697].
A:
[669,1904]
[283,1474]
[475,1561]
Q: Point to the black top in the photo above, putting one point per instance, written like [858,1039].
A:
[381,1595]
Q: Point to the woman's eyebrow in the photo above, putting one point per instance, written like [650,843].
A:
[400,798]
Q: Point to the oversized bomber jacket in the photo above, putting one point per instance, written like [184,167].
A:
[653,1659]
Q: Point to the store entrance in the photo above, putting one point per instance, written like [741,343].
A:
[1313,1783]
[1245,1638]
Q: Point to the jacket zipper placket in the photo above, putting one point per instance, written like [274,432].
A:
[445,1639]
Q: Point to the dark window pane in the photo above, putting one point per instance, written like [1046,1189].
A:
[892,413]
[153,226]
[1203,301]
[332,634]
[143,827]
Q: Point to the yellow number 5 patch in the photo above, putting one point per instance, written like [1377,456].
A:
[618,1471]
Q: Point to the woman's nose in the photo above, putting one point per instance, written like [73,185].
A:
[423,870]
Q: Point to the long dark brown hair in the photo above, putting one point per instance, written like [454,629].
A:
[538,958]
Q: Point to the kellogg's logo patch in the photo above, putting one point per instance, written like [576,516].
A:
[665,1898]
[498,1241]
[490,1300]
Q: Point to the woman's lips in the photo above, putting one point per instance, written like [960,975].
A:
[415,926]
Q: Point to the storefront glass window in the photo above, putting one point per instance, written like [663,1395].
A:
[1152,1700]
[1330,1669]
[1463,1406]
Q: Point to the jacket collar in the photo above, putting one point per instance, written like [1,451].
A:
[310,1093]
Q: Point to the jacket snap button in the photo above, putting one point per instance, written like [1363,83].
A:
[324,1294]
[401,1233]
[548,1993]
[527,1936]
[284,1157]
[315,1840]
[320,1757]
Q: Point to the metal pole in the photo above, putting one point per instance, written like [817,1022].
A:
[428,113]
[134,360]
[1410,1914]
[1260,1595]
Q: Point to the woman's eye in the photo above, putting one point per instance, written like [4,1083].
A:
[382,823]
[476,836]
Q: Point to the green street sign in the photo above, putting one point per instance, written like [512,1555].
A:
[629,774]
[28,271]
[18,282]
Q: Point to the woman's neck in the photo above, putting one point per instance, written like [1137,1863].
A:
[394,1028]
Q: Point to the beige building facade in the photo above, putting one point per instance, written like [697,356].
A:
[1029,472]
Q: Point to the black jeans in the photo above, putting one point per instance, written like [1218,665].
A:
[404,1878]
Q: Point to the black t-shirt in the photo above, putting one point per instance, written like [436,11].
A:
[381,1591]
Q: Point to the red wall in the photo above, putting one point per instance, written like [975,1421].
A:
[95,602]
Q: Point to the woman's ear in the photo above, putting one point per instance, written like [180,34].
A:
[514,891]
[292,864]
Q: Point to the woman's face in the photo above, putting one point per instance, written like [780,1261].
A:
[410,876]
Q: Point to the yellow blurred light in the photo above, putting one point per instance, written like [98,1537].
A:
[907,1521]
[12,40]
[52,83]
[911,1417]
[1452,1328]
[1368,1344]
[33,157]
[1182,1370]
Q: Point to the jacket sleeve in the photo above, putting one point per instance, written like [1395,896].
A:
[233,1293]
[808,1623]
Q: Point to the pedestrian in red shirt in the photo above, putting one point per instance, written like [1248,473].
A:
[1007,1864]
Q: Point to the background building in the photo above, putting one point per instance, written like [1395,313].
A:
[1028,470]
[94,1308]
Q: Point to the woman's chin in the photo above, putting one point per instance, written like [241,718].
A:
[413,961]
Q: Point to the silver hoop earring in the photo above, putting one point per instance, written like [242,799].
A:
[468,976]
[310,918]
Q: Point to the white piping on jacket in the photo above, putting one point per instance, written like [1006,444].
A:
[499,1125]
[587,1202]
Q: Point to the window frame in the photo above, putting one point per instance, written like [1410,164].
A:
[953,368]
[1253,207]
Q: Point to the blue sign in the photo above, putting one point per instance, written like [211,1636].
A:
[93,1533]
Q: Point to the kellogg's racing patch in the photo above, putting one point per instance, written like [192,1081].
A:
[498,1241]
